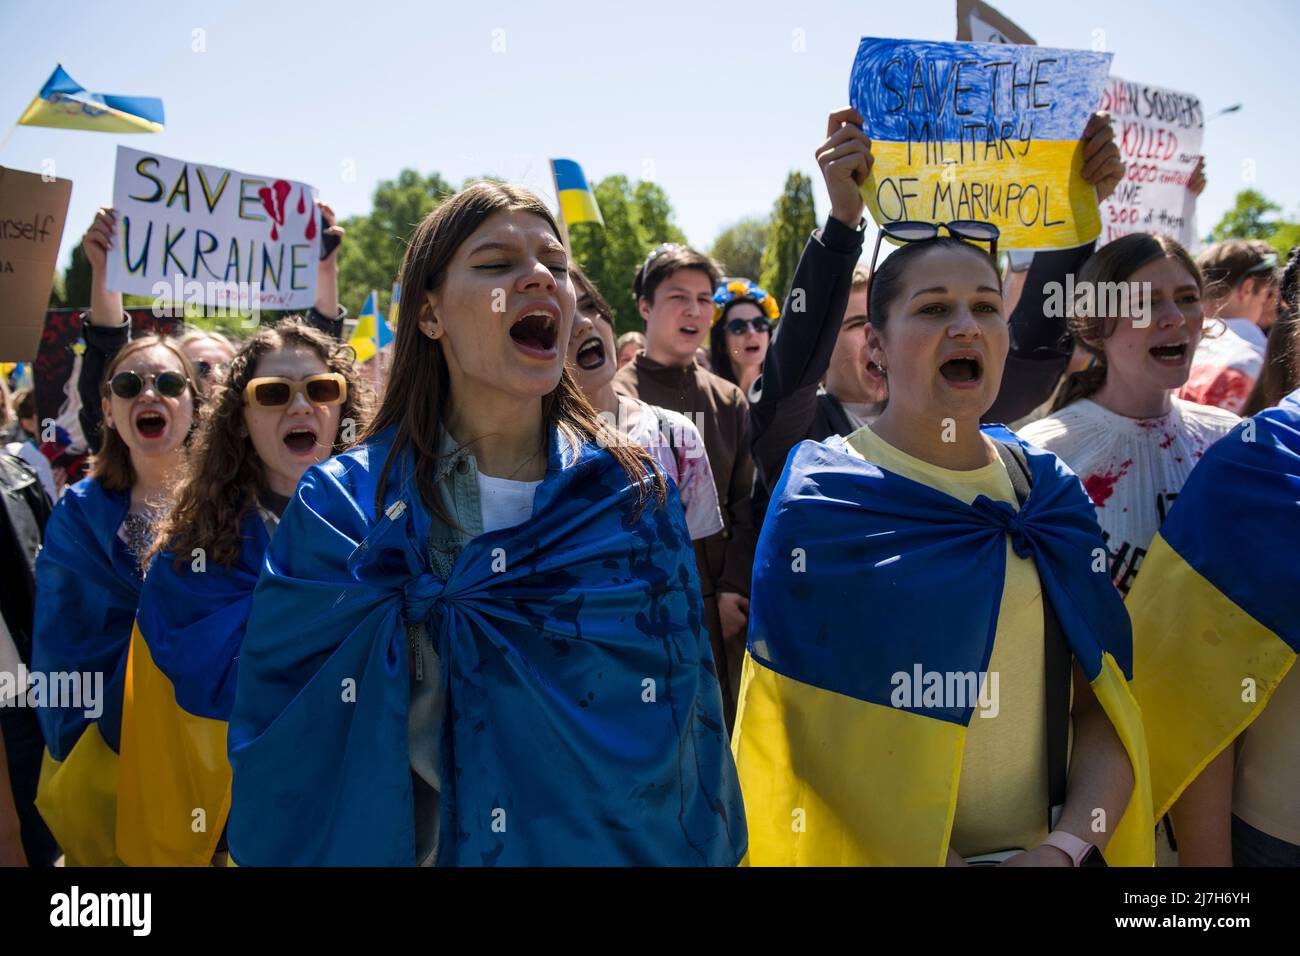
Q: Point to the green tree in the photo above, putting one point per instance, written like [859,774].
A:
[637,218]
[1248,218]
[373,247]
[793,219]
[739,248]
[1252,217]
[76,280]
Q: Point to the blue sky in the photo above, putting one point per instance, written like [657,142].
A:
[714,101]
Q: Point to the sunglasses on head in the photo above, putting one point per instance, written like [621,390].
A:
[909,230]
[328,388]
[128,385]
[760,323]
[655,253]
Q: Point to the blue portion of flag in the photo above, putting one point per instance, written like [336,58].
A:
[87,587]
[898,573]
[582,720]
[1258,466]
[193,621]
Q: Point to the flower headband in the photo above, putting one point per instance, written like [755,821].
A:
[744,290]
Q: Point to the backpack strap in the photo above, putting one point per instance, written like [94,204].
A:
[1057,658]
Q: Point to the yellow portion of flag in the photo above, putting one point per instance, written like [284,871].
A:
[1203,669]
[579,205]
[72,115]
[77,798]
[174,778]
[829,780]
[1043,204]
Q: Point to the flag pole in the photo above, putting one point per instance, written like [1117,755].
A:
[559,213]
[5,142]
[379,378]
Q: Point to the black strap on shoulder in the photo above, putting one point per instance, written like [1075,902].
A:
[836,416]
[1057,658]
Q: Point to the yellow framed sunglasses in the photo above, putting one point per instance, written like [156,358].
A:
[328,388]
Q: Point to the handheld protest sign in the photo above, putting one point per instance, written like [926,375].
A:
[1159,134]
[980,131]
[33,210]
[203,235]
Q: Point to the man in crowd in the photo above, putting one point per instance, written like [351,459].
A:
[674,292]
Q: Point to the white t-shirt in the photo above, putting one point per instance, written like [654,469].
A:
[1226,366]
[503,502]
[1131,468]
[677,447]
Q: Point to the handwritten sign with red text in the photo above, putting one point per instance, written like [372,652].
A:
[199,234]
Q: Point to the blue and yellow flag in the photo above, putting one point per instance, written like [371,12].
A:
[174,776]
[862,574]
[1215,625]
[63,103]
[87,587]
[372,332]
[980,131]
[577,201]
[581,721]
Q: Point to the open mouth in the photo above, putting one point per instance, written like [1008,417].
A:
[535,332]
[964,370]
[591,355]
[300,441]
[1170,354]
[689,329]
[753,348]
[150,424]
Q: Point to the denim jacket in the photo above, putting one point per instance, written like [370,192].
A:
[456,480]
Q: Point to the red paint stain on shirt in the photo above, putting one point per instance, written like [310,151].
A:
[1101,486]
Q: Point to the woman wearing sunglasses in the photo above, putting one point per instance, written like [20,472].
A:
[293,398]
[744,316]
[478,637]
[106,327]
[88,578]
[918,577]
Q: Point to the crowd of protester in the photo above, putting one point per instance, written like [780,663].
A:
[559,596]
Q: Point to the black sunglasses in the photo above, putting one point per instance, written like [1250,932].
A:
[760,323]
[910,230]
[128,385]
[655,253]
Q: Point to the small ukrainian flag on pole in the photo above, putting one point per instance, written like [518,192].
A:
[372,332]
[63,103]
[577,201]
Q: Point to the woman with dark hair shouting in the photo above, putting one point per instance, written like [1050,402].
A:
[478,637]
[917,577]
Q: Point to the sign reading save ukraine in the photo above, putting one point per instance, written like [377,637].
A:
[980,131]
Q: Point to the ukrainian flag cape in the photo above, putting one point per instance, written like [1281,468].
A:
[861,574]
[86,593]
[582,723]
[1215,622]
[174,781]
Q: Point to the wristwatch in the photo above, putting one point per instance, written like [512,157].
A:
[1080,852]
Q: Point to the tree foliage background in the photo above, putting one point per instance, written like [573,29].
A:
[1252,217]
[793,218]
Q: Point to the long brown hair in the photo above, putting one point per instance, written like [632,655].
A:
[415,401]
[1114,262]
[223,475]
[112,467]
